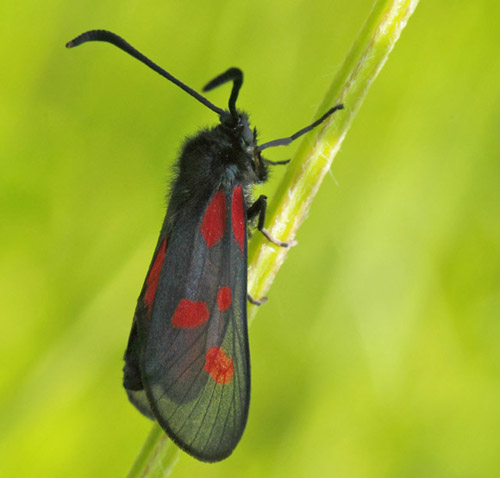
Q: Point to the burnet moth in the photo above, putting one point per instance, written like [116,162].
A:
[187,360]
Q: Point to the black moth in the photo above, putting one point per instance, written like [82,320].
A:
[187,360]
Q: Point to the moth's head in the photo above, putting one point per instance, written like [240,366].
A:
[238,126]
[245,151]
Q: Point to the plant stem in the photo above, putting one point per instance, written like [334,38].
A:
[157,457]
[301,181]
[317,150]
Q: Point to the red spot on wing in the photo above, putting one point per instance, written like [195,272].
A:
[224,298]
[238,216]
[154,275]
[219,365]
[213,224]
[189,314]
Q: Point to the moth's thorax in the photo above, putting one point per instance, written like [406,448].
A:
[221,157]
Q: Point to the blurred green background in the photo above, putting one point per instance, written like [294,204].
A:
[378,352]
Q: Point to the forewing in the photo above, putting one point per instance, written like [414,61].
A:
[195,359]
[132,380]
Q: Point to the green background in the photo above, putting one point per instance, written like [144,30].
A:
[378,352]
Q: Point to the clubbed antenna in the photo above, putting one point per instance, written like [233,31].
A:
[236,76]
[107,36]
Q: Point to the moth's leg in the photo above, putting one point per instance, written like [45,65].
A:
[258,208]
[256,301]
[276,163]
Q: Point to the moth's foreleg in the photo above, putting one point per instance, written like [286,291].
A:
[258,208]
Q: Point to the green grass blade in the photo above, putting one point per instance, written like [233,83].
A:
[315,155]
[157,457]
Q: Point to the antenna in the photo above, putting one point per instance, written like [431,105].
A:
[298,134]
[236,76]
[107,36]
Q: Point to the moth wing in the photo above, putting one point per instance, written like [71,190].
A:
[132,379]
[194,361]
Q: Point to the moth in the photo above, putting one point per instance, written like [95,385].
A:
[187,361]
